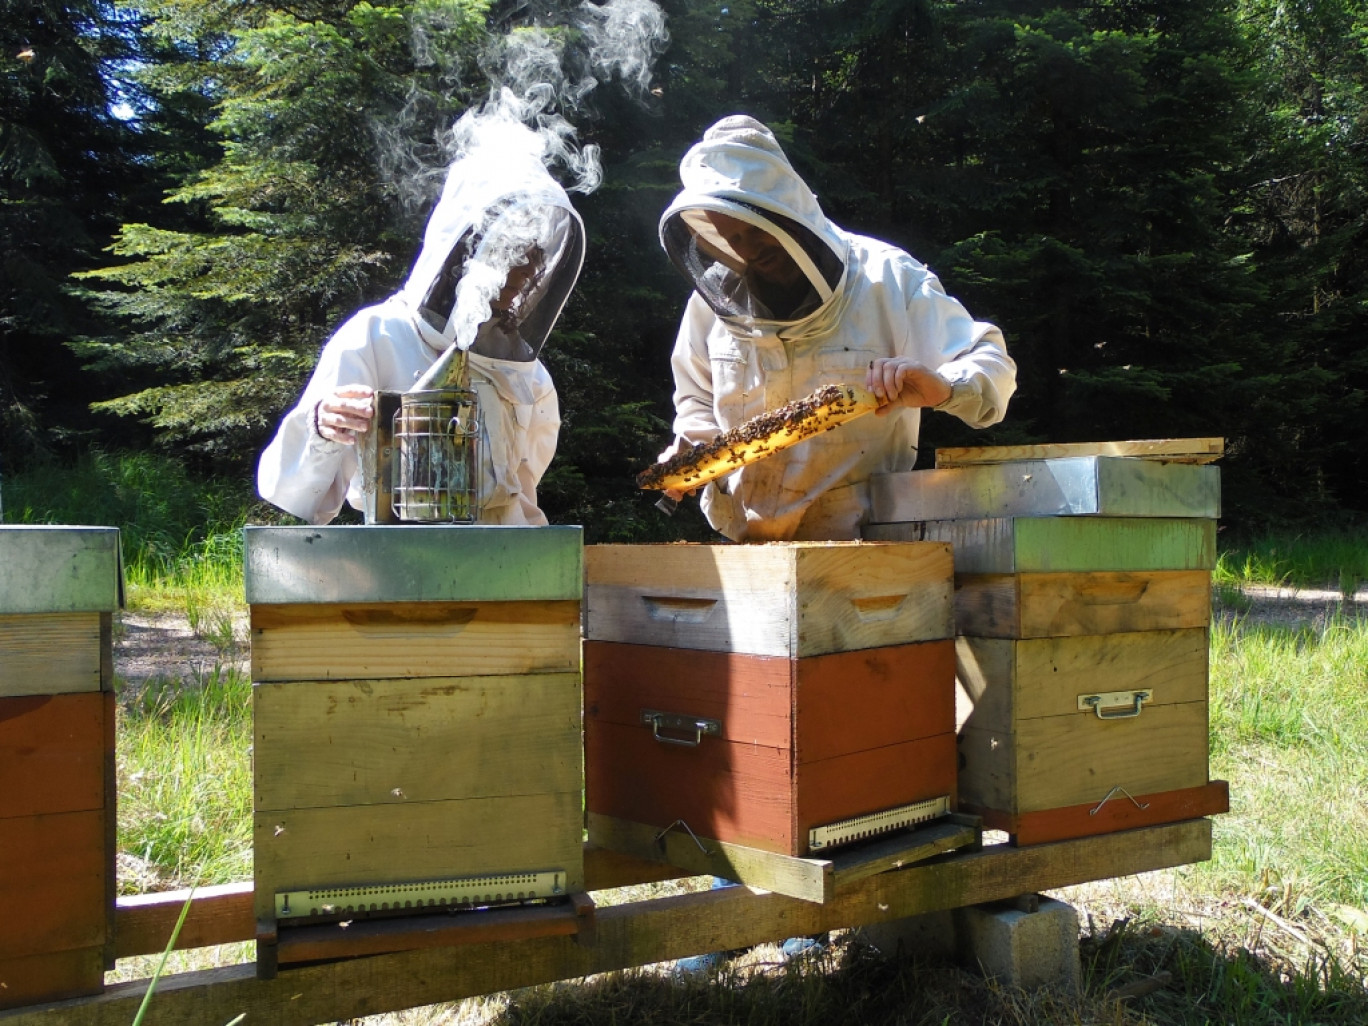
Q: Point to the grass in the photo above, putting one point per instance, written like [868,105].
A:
[1324,558]
[185,782]
[1273,930]
[181,536]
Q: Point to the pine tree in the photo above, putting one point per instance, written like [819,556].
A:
[67,167]
[324,115]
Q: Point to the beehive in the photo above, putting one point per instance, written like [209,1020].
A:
[1082,601]
[58,594]
[416,705]
[750,695]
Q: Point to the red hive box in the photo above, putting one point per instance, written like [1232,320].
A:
[57,816]
[750,695]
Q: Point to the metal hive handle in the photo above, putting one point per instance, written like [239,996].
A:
[659,721]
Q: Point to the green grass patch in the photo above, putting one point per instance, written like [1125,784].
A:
[1333,558]
[1289,730]
[185,782]
[180,535]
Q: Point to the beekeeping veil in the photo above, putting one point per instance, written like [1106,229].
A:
[738,169]
[502,251]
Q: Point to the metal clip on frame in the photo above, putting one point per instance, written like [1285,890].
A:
[1118,789]
[659,838]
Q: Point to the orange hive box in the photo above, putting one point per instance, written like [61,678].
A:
[739,698]
[57,808]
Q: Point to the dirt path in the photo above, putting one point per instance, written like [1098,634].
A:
[1290,607]
[148,645]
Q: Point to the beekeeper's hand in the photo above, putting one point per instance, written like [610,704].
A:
[674,493]
[345,414]
[900,381]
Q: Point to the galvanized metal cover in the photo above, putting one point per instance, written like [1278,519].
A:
[412,563]
[59,569]
[1112,486]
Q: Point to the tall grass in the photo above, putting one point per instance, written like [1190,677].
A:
[1324,558]
[185,782]
[1289,730]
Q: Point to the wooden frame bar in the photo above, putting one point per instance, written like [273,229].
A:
[634,934]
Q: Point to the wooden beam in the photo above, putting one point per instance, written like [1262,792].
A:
[222,914]
[906,847]
[807,878]
[409,933]
[218,915]
[628,935]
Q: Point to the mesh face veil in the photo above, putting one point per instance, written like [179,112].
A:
[504,283]
[750,264]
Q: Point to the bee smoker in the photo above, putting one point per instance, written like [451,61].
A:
[420,461]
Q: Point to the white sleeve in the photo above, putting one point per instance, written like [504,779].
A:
[970,354]
[695,416]
[539,448]
[300,471]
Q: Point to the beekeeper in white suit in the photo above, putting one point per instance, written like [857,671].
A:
[502,251]
[786,302]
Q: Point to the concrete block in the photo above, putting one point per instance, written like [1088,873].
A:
[931,935]
[1022,948]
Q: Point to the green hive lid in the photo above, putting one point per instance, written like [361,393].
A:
[59,569]
[412,563]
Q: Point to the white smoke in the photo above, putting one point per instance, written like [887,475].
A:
[541,63]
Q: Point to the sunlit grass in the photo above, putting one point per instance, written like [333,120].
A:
[185,781]
[1336,559]
[1289,730]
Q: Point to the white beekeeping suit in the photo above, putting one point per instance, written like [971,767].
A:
[500,217]
[747,346]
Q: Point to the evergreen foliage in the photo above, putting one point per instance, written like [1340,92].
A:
[66,164]
[303,227]
[1162,202]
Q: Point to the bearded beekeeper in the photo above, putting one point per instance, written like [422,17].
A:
[785,302]
[502,251]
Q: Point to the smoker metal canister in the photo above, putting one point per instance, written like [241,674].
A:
[436,438]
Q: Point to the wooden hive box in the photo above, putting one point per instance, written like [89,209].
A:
[1070,736]
[1082,602]
[743,696]
[416,706]
[58,593]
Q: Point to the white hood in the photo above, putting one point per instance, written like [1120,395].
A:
[739,169]
[498,203]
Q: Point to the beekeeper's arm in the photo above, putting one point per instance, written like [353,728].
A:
[695,415]
[950,362]
[306,468]
[537,447]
